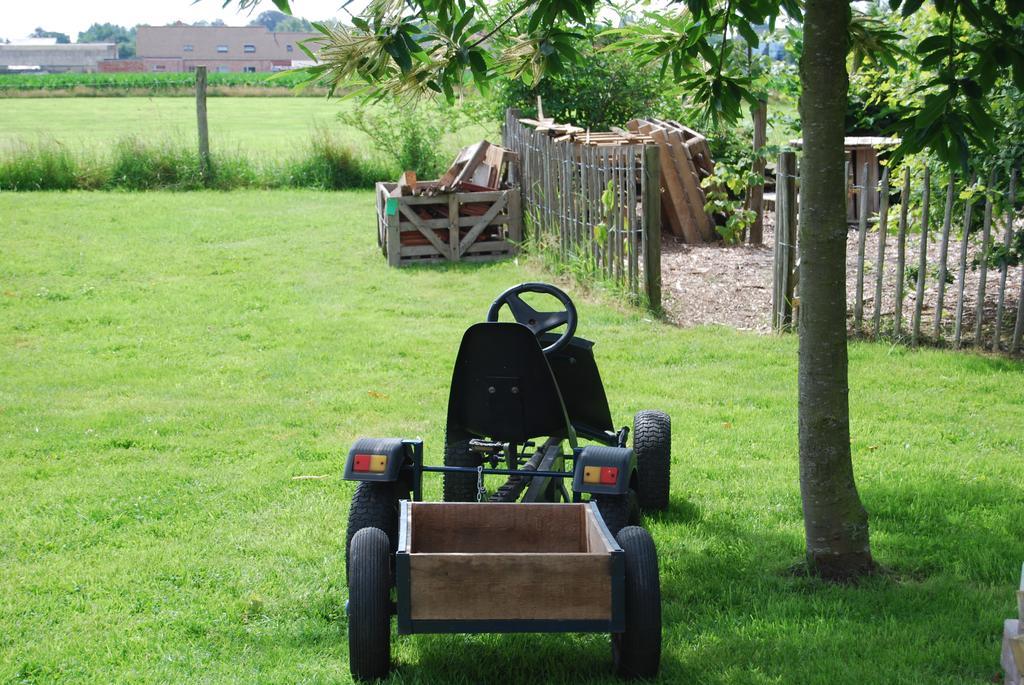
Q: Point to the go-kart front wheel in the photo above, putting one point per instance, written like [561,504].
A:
[652,444]
[369,605]
[636,651]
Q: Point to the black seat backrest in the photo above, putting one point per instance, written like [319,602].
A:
[502,387]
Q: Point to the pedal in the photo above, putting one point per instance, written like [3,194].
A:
[486,446]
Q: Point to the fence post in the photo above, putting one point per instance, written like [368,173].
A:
[1004,267]
[947,221]
[862,235]
[791,314]
[755,193]
[883,227]
[901,251]
[962,272]
[922,262]
[979,306]
[652,226]
[784,249]
[204,134]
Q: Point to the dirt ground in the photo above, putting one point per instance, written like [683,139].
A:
[731,285]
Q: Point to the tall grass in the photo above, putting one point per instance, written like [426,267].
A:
[134,164]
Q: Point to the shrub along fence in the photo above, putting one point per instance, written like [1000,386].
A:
[955,279]
[596,209]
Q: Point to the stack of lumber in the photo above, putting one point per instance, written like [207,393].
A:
[1013,642]
[567,133]
[477,167]
[685,162]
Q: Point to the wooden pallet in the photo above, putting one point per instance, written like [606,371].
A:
[449,227]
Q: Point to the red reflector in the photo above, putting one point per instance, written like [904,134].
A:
[361,462]
[609,474]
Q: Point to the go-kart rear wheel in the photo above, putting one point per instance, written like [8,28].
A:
[375,505]
[652,444]
[618,511]
[459,487]
[369,605]
[636,652]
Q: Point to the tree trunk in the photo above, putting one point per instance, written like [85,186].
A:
[835,521]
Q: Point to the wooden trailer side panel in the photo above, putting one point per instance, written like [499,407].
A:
[510,586]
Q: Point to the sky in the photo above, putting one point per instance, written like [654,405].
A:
[19,18]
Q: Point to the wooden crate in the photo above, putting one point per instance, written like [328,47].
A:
[461,226]
[469,567]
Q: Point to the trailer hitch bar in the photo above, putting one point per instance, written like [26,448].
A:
[498,472]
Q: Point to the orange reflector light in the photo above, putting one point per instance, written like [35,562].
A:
[361,462]
[592,474]
[609,474]
[378,463]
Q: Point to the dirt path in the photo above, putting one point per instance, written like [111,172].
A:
[731,286]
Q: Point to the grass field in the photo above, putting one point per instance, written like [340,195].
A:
[272,126]
[171,361]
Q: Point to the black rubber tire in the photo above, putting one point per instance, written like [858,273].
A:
[374,505]
[618,511]
[369,605]
[459,487]
[637,651]
[652,444]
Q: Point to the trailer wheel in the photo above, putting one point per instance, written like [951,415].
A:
[459,487]
[618,511]
[636,652]
[369,605]
[374,505]
[652,444]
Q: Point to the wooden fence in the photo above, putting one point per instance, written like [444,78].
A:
[938,287]
[598,208]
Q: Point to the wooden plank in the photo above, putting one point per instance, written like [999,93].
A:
[483,223]
[532,586]
[1003,268]
[427,232]
[472,527]
[468,159]
[901,245]
[652,226]
[406,183]
[682,215]
[962,272]
[453,227]
[595,539]
[947,221]
[922,262]
[862,235]
[883,227]
[691,184]
[986,230]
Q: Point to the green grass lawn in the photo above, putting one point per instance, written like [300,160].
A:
[170,363]
[271,126]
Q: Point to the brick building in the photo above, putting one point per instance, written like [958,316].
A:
[219,48]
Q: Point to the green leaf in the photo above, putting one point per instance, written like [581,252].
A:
[283,6]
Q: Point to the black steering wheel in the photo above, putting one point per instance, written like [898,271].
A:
[538,322]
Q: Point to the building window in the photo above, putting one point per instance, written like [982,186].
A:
[187,48]
[159,67]
[222,48]
[223,70]
[248,48]
[288,48]
[249,70]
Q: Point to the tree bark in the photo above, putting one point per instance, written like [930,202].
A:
[835,521]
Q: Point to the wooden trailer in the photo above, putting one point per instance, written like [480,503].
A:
[548,568]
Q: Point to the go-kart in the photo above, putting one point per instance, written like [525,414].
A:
[556,546]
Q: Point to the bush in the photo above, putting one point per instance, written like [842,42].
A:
[604,89]
[409,136]
[330,165]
